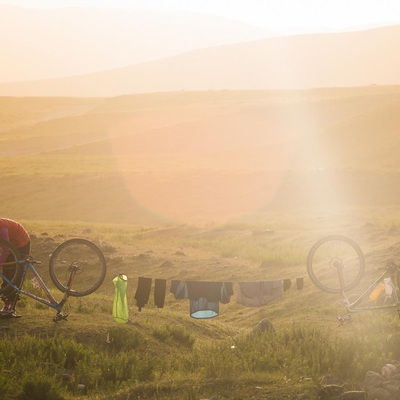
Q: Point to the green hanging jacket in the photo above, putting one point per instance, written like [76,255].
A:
[120,305]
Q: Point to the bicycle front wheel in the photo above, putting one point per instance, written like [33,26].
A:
[9,269]
[82,260]
[332,259]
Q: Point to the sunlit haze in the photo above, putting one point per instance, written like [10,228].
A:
[277,15]
[204,109]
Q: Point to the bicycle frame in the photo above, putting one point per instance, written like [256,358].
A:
[51,302]
[353,307]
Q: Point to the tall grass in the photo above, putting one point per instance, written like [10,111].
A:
[59,366]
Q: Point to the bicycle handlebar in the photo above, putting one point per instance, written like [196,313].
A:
[30,260]
[20,262]
[390,265]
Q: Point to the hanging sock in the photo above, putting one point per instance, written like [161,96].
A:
[120,311]
[299,283]
[160,287]
[287,283]
[143,292]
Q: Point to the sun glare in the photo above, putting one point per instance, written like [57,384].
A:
[274,15]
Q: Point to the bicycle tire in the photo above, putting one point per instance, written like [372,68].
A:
[398,279]
[86,257]
[13,256]
[324,257]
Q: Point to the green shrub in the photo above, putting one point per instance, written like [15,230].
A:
[40,388]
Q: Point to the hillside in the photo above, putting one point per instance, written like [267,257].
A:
[216,186]
[200,157]
[346,59]
[40,44]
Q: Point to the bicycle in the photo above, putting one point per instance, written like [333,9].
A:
[77,268]
[336,264]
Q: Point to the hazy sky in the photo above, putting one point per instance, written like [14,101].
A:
[274,14]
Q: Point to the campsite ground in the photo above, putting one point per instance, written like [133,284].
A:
[233,252]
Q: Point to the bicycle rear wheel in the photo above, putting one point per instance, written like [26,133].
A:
[330,255]
[83,257]
[9,269]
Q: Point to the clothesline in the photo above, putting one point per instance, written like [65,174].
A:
[205,296]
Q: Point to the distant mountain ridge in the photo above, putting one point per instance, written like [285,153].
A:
[348,59]
[42,44]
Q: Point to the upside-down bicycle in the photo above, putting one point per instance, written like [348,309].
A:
[336,264]
[77,268]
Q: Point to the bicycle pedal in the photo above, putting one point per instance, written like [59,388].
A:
[344,318]
[60,317]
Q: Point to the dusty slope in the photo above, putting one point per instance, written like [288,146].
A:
[294,62]
[206,156]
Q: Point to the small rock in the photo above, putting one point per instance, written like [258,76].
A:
[328,391]
[388,370]
[392,386]
[379,394]
[372,380]
[353,395]
[265,325]
[166,264]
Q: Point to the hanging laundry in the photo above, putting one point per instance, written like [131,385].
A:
[204,296]
[212,291]
[257,294]
[299,283]
[160,287]
[179,289]
[120,310]
[287,283]
[204,309]
[142,294]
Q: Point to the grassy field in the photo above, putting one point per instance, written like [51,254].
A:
[164,353]
[199,158]
[200,186]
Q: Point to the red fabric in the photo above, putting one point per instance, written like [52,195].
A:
[17,234]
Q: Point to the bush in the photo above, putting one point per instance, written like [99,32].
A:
[40,388]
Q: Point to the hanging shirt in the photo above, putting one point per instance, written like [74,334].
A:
[204,296]
[120,311]
[179,289]
[256,294]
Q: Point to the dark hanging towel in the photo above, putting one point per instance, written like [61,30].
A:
[286,284]
[160,287]
[260,293]
[299,283]
[143,292]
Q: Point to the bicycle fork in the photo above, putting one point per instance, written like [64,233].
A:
[339,267]
[60,316]
[346,302]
